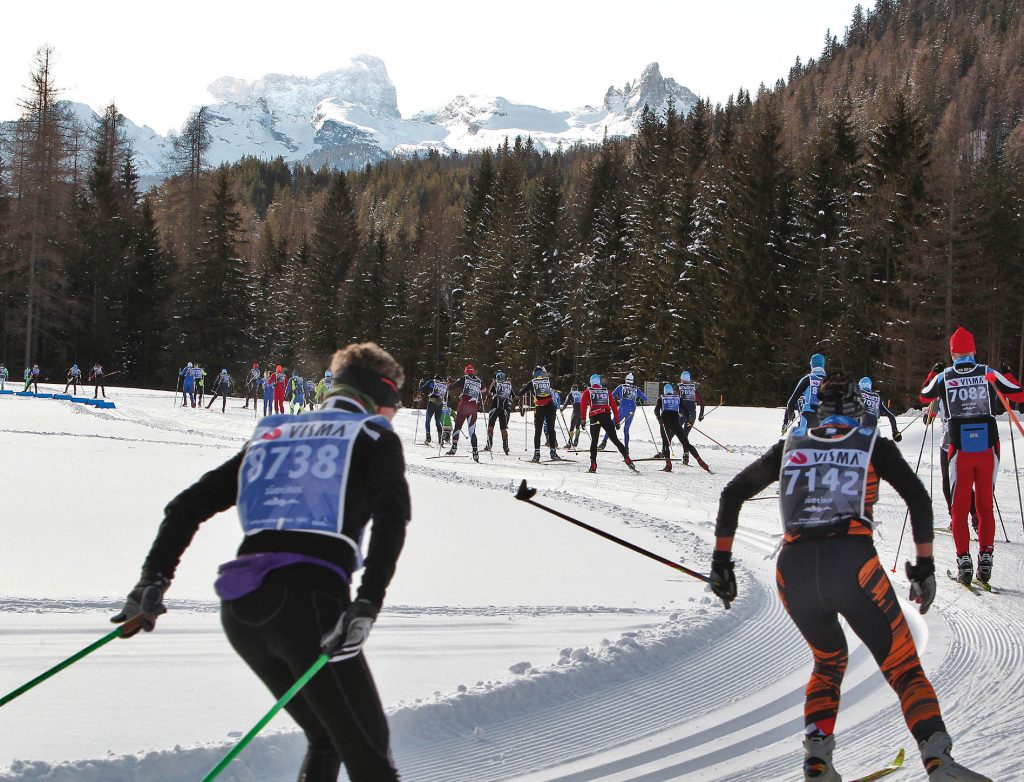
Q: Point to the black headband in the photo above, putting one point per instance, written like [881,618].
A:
[381,390]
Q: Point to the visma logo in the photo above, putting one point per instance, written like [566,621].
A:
[272,435]
[797,458]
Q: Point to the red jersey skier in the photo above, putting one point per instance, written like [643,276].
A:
[469,406]
[280,382]
[599,410]
[973,449]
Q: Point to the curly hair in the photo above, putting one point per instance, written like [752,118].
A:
[369,356]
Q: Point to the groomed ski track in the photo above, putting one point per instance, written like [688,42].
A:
[710,694]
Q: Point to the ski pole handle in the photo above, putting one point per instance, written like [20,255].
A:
[65,663]
[321,661]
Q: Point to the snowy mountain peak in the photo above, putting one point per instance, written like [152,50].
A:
[363,82]
[651,89]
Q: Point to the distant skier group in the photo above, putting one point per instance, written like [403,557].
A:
[275,387]
[33,374]
[599,409]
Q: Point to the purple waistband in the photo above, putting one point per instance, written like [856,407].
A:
[246,574]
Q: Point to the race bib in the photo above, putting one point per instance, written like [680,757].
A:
[967,394]
[599,397]
[670,404]
[542,386]
[295,473]
[688,391]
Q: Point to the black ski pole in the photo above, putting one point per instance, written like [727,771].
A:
[526,494]
[649,430]
[912,421]
[907,514]
[994,500]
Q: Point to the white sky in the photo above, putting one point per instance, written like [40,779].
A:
[156,59]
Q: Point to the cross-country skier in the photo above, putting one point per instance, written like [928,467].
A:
[32,378]
[252,384]
[188,385]
[446,424]
[973,450]
[576,422]
[97,377]
[280,382]
[436,392]
[539,388]
[221,386]
[268,393]
[499,392]
[200,375]
[828,480]
[874,408]
[689,397]
[297,390]
[310,393]
[598,409]
[323,387]
[4,374]
[74,378]
[806,389]
[668,412]
[467,409]
[627,395]
[285,599]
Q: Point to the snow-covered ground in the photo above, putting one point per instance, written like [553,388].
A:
[513,646]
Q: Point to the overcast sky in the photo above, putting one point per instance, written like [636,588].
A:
[156,59]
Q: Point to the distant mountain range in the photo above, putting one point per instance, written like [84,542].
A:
[349,117]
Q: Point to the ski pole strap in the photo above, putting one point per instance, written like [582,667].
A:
[116,633]
[321,661]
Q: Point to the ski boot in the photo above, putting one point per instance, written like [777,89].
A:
[193,404]
[630,465]
[985,565]
[686,460]
[940,764]
[601,447]
[965,569]
[593,467]
[536,457]
[487,447]
[667,467]
[320,764]
[476,455]
[427,441]
[554,456]
[451,451]
[504,446]
[818,759]
[703,464]
[660,455]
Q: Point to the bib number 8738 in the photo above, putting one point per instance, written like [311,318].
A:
[268,462]
[835,480]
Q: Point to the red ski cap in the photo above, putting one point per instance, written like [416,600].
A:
[961,342]
[470,369]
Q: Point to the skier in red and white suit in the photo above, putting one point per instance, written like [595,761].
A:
[973,449]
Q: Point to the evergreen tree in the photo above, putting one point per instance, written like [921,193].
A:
[145,346]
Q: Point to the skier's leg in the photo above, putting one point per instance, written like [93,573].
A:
[471,423]
[595,430]
[538,425]
[961,480]
[610,434]
[625,427]
[984,485]
[947,492]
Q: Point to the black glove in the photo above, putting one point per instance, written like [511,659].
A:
[938,366]
[922,582]
[1004,369]
[896,436]
[723,579]
[348,636]
[144,604]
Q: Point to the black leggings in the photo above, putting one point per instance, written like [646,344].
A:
[819,580]
[671,426]
[433,412]
[499,413]
[276,630]
[544,414]
[597,423]
[224,400]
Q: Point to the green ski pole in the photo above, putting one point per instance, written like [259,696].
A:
[62,665]
[321,661]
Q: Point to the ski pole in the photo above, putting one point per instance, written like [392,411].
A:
[907,514]
[526,494]
[321,661]
[650,431]
[1013,448]
[913,421]
[565,428]
[712,439]
[931,466]
[416,428]
[116,633]
[174,399]
[994,500]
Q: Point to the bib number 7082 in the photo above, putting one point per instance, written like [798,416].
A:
[835,480]
[268,462]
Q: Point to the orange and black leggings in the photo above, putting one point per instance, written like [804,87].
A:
[819,580]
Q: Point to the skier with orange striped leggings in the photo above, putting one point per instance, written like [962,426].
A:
[828,567]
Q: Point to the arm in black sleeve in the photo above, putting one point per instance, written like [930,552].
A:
[891,467]
[794,398]
[657,409]
[214,492]
[389,500]
[752,479]
[888,414]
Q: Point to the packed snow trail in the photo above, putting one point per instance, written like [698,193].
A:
[693,693]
